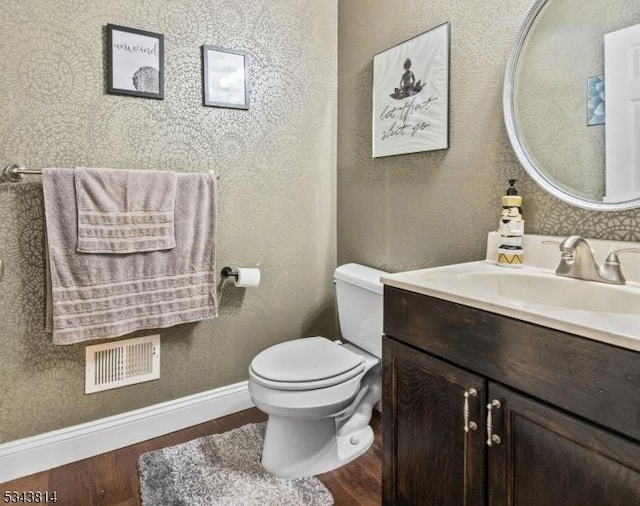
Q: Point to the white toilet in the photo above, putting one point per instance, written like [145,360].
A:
[320,394]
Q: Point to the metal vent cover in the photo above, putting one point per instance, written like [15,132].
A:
[120,363]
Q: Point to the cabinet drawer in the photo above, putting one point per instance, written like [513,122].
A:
[594,380]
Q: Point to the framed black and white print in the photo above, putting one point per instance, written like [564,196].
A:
[411,95]
[225,77]
[135,62]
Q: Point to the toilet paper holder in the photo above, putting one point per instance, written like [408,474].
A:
[229,272]
[243,277]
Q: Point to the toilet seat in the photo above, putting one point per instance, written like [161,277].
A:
[305,364]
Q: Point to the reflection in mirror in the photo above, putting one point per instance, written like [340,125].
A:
[552,73]
[622,95]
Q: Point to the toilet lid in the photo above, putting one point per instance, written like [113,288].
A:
[307,360]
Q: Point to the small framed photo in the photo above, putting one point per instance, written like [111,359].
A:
[411,95]
[135,62]
[224,73]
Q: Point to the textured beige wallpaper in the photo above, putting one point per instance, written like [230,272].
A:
[276,191]
[434,208]
[277,164]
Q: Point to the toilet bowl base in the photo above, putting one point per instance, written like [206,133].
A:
[300,448]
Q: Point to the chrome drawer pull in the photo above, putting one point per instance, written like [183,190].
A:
[472,392]
[491,437]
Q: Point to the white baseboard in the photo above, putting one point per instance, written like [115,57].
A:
[52,449]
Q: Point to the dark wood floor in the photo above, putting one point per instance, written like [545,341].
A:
[111,479]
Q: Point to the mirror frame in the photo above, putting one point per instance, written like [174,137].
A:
[537,173]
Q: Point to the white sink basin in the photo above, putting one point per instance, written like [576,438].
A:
[608,313]
[553,292]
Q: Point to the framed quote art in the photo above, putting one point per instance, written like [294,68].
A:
[135,62]
[411,95]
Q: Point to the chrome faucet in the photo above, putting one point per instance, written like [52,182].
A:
[577,261]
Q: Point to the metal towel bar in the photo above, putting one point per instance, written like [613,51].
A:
[16,171]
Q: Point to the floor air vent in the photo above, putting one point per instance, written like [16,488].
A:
[120,363]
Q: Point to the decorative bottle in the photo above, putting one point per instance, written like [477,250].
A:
[511,229]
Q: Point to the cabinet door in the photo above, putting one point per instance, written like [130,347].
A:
[548,458]
[429,459]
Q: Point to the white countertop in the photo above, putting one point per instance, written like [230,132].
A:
[617,328]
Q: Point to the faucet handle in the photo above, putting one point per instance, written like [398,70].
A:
[612,258]
[611,268]
[564,254]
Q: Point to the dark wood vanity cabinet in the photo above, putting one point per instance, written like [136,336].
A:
[564,418]
[422,414]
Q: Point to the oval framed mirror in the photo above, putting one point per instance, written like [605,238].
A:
[554,98]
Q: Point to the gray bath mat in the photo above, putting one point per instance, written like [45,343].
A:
[222,469]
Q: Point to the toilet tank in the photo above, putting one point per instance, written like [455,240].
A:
[359,296]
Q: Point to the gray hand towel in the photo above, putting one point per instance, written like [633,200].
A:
[98,296]
[123,211]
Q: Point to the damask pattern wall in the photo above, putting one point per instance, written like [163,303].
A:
[276,163]
[434,208]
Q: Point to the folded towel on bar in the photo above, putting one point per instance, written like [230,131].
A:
[98,296]
[123,211]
